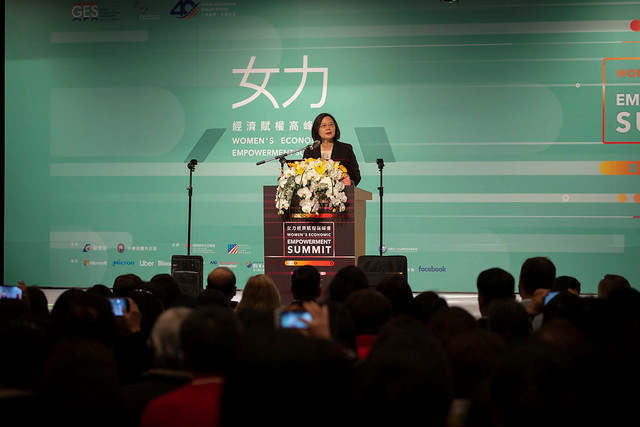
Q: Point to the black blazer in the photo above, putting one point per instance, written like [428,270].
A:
[340,151]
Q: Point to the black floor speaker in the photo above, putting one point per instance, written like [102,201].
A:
[188,272]
[378,267]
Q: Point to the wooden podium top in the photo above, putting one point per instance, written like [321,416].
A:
[360,194]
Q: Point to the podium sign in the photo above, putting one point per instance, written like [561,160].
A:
[327,240]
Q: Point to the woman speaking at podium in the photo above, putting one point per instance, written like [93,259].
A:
[325,129]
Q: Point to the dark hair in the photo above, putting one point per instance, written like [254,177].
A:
[166,287]
[425,304]
[100,289]
[369,309]
[622,317]
[125,284]
[509,319]
[209,336]
[610,283]
[397,289]
[564,305]
[564,283]
[212,296]
[348,279]
[82,315]
[305,282]
[149,304]
[38,300]
[495,283]
[81,375]
[530,384]
[536,273]
[316,125]
[448,322]
[472,354]
[407,374]
[268,370]
[27,341]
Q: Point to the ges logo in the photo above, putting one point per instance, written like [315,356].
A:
[85,11]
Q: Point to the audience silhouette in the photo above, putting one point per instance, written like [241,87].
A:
[424,305]
[493,283]
[567,283]
[260,293]
[209,338]
[283,373]
[610,283]
[509,319]
[380,355]
[396,288]
[305,285]
[80,386]
[167,371]
[537,277]
[406,376]
[529,385]
[370,311]
[224,280]
[346,280]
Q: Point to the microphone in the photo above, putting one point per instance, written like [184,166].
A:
[315,144]
[192,164]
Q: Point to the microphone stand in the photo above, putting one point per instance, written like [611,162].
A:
[192,165]
[282,158]
[380,163]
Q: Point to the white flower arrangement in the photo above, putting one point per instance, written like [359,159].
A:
[315,182]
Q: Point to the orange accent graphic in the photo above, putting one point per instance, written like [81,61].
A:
[636,198]
[298,263]
[312,215]
[620,168]
[622,198]
[635,25]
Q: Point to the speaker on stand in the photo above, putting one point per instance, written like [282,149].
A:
[188,270]
[377,267]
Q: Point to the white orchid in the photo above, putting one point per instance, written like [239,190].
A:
[304,193]
[315,182]
[325,182]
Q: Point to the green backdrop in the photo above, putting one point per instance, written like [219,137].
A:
[509,129]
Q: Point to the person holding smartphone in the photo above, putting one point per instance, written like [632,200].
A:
[311,320]
[13,292]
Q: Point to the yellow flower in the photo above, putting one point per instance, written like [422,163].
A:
[299,170]
[320,169]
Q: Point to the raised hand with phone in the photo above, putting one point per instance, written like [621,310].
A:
[538,301]
[313,321]
[127,312]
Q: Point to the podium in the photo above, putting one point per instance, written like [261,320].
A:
[328,240]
